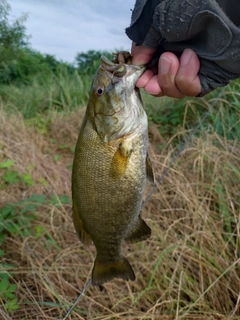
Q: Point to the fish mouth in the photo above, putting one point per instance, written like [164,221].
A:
[121,66]
[118,70]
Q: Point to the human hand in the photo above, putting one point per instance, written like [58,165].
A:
[174,77]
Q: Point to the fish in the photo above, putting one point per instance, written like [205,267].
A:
[110,168]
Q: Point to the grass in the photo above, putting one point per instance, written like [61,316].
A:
[189,269]
[62,91]
[173,115]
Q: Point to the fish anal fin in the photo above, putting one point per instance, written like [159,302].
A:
[149,170]
[140,232]
[120,160]
[106,271]
[83,235]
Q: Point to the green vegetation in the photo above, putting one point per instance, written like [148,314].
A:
[189,269]
[16,221]
[173,114]
[31,82]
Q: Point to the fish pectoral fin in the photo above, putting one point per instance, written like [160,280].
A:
[149,170]
[140,232]
[83,235]
[126,148]
[106,271]
[120,160]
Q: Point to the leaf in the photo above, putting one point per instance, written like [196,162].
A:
[7,164]
[8,211]
[14,307]
[30,204]
[12,287]
[42,181]
[58,200]
[11,177]
[9,295]
[65,199]
[37,198]
[27,178]
[12,304]
[63,146]
[4,283]
[14,301]
[40,230]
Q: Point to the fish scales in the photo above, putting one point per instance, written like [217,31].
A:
[106,194]
[109,170]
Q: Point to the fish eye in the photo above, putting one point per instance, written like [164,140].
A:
[99,90]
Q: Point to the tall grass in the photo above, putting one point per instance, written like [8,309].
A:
[172,115]
[60,91]
[188,269]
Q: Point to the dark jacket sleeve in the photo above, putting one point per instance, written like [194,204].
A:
[210,27]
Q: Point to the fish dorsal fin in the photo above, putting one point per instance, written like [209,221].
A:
[83,235]
[141,231]
[149,170]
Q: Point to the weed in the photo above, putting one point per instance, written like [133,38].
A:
[16,222]
[8,293]
[11,176]
[173,115]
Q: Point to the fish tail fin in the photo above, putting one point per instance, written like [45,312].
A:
[106,271]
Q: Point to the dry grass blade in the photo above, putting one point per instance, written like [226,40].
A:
[78,299]
[189,269]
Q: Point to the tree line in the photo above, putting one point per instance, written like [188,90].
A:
[20,63]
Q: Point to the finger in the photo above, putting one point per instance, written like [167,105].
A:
[145,78]
[153,87]
[168,66]
[187,79]
[149,81]
[141,54]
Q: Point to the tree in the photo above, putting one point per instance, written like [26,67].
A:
[13,40]
[12,34]
[88,62]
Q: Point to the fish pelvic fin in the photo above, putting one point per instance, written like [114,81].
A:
[83,235]
[140,232]
[105,271]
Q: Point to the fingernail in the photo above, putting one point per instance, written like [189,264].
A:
[165,65]
[186,57]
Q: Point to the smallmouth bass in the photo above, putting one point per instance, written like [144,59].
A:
[110,168]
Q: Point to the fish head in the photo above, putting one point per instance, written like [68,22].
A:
[115,104]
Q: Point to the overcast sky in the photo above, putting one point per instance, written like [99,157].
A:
[65,27]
